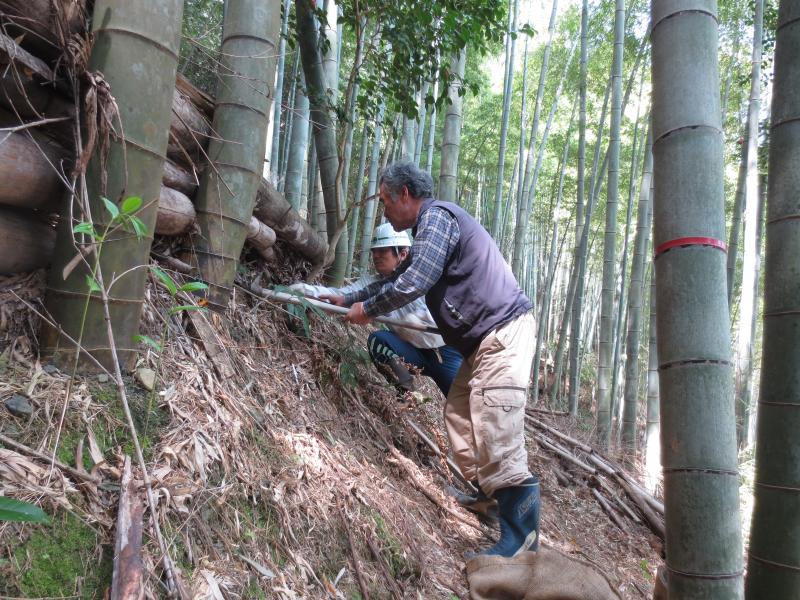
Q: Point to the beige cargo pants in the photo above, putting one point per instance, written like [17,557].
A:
[484,412]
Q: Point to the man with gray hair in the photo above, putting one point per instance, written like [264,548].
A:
[481,311]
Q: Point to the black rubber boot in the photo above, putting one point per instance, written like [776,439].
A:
[403,378]
[519,520]
[479,503]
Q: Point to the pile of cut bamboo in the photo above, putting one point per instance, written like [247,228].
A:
[37,124]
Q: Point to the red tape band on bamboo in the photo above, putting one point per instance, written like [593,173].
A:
[690,241]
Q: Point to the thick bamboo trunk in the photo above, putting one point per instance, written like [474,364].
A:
[277,104]
[298,148]
[355,217]
[529,190]
[522,221]
[635,304]
[508,89]
[575,325]
[370,208]
[26,242]
[545,310]
[652,454]
[451,136]
[323,126]
[774,556]
[27,176]
[228,188]
[698,434]
[143,92]
[605,358]
[748,299]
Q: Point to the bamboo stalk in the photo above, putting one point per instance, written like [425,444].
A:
[142,95]
[292,299]
[228,188]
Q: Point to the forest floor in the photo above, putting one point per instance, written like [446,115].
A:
[283,466]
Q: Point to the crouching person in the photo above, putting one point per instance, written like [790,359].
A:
[392,350]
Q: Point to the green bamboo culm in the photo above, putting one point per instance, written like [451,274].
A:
[227,193]
[698,434]
[136,49]
[774,556]
[451,133]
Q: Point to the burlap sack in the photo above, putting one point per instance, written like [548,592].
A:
[544,575]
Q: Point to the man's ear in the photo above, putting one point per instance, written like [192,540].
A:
[403,253]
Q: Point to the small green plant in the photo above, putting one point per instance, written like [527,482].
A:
[645,567]
[173,289]
[122,216]
[17,510]
[299,311]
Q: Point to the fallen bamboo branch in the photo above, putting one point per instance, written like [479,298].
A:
[650,508]
[402,462]
[128,574]
[362,586]
[553,413]
[655,521]
[437,451]
[570,440]
[607,509]
[394,589]
[562,452]
[7,441]
[332,308]
[625,509]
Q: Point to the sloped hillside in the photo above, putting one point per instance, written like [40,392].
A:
[282,463]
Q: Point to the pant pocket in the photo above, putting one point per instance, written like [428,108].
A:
[502,421]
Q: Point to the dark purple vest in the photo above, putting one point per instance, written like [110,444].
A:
[477,291]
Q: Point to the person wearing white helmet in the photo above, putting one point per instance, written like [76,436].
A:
[398,346]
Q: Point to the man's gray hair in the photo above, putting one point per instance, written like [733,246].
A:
[399,174]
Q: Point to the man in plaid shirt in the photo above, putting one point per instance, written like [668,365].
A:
[481,311]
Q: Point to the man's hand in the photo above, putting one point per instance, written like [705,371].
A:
[333,299]
[357,316]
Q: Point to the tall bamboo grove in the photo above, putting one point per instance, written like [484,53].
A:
[698,435]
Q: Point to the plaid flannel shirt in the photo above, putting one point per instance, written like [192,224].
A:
[434,243]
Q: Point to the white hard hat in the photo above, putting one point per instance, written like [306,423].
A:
[386,237]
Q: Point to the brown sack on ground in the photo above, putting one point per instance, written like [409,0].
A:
[544,575]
